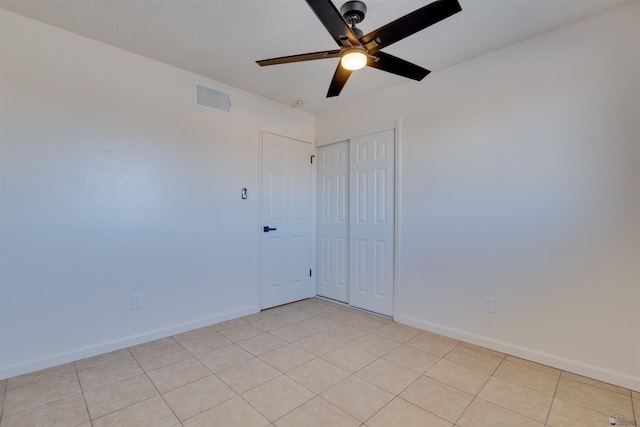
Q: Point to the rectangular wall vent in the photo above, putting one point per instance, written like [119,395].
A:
[211,98]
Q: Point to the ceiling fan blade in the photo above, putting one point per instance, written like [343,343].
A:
[395,65]
[409,24]
[333,22]
[299,58]
[339,79]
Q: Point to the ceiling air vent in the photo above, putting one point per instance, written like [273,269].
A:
[211,98]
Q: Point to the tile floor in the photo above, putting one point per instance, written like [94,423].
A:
[311,363]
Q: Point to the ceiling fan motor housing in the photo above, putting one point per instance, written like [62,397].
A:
[353,11]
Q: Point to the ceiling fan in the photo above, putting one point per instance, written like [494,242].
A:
[357,50]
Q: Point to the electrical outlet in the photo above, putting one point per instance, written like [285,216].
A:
[489,305]
[136,301]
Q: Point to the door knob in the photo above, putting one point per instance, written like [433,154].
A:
[267,229]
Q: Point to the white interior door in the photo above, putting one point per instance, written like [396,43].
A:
[333,221]
[286,220]
[371,225]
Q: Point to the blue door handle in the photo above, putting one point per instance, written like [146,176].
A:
[267,229]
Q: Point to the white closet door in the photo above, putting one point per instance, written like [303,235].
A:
[286,220]
[371,224]
[333,221]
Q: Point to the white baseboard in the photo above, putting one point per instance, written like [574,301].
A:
[575,366]
[49,361]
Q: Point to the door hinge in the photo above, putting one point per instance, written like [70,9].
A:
[312,156]
[309,273]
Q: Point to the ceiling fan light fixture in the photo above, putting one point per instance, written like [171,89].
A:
[353,59]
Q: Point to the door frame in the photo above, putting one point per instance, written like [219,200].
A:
[356,133]
[312,215]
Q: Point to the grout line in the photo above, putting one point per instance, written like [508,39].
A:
[86,405]
[4,396]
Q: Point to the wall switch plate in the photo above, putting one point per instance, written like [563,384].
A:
[489,305]
[136,301]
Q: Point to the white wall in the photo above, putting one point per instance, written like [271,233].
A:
[520,180]
[113,183]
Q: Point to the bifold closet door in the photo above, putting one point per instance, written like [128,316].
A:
[333,221]
[356,222]
[371,222]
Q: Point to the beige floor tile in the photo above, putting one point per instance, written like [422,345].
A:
[318,344]
[565,414]
[378,317]
[228,324]
[434,375]
[323,309]
[402,413]
[70,411]
[272,323]
[294,332]
[163,356]
[315,413]
[255,317]
[441,337]
[343,315]
[357,397]
[294,315]
[538,379]
[486,414]
[397,332]
[320,324]
[29,397]
[277,397]
[431,344]
[349,358]
[600,384]
[176,375]
[246,375]
[317,375]
[483,349]
[297,331]
[438,398]
[151,346]
[520,399]
[108,373]
[194,334]
[152,412]
[205,343]
[391,377]
[366,324]
[115,396]
[458,376]
[66,371]
[375,344]
[286,358]
[344,334]
[198,396]
[102,359]
[593,397]
[531,364]
[261,344]
[412,358]
[240,333]
[232,413]
[474,359]
[225,357]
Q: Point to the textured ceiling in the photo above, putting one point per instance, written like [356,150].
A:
[222,39]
